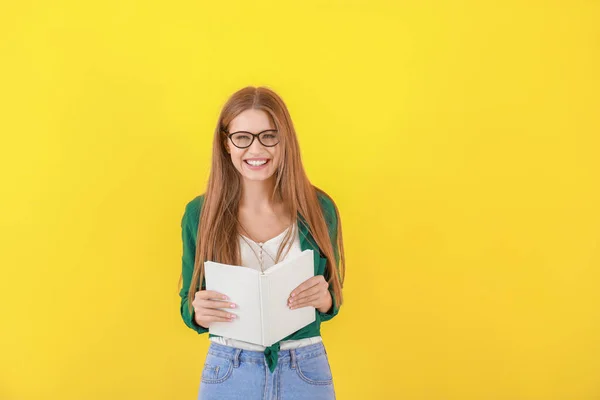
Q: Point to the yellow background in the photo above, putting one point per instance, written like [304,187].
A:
[459,140]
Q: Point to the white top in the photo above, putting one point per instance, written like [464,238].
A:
[267,251]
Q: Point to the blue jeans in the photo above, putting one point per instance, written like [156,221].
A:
[230,373]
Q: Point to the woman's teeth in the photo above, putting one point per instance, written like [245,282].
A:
[256,163]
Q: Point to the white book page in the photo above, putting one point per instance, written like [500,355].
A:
[241,285]
[282,279]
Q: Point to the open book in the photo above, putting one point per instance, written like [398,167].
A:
[263,316]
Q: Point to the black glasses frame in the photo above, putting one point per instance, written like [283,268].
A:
[254,136]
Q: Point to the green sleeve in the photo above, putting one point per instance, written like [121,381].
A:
[189,225]
[326,316]
[332,219]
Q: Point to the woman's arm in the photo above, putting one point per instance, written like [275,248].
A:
[189,224]
[331,218]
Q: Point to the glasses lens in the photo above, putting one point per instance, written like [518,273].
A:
[241,139]
[269,138]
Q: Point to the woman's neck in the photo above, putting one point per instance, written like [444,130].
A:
[257,196]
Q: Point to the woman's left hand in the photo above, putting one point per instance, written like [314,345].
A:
[312,292]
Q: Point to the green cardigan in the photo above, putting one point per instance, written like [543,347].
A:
[189,229]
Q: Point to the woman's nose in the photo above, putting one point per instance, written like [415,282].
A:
[256,147]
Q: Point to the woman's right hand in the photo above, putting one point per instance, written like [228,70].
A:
[206,308]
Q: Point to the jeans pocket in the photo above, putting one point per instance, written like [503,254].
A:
[315,370]
[216,369]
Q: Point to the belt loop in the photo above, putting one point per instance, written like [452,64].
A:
[236,358]
[293,358]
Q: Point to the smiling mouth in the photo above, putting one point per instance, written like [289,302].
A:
[256,163]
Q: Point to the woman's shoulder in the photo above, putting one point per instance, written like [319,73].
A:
[193,207]
[328,206]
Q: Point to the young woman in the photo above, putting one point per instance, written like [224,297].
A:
[258,209]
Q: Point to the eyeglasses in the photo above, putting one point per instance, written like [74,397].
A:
[243,139]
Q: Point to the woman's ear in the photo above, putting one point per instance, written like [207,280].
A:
[226,144]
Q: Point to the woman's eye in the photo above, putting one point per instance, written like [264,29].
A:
[269,136]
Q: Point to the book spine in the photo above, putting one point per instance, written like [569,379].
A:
[264,309]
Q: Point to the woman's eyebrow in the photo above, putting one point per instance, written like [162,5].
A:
[271,129]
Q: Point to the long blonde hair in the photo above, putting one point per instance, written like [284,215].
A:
[218,226]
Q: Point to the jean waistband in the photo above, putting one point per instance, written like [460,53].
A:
[235,354]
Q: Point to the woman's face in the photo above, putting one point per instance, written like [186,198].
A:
[256,162]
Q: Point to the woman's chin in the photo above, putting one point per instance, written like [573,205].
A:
[263,175]
[255,178]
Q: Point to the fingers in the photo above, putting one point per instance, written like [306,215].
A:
[206,320]
[321,286]
[217,314]
[307,301]
[218,319]
[310,282]
[207,307]
[306,293]
[210,294]
[205,316]
[214,304]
